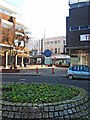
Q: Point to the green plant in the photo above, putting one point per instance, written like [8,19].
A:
[37,93]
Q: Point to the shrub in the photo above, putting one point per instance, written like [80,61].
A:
[38,93]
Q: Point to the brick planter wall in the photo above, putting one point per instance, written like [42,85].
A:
[74,109]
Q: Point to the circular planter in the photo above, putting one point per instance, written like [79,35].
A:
[76,108]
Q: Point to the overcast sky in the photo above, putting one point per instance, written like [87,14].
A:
[44,16]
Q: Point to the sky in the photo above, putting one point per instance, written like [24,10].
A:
[43,17]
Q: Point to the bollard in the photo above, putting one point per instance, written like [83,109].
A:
[52,70]
[36,70]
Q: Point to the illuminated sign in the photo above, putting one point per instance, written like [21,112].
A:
[85,37]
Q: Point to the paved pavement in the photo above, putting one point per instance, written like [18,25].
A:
[41,70]
[28,67]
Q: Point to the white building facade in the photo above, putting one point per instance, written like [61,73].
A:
[55,44]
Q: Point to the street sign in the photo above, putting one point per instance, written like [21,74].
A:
[47,53]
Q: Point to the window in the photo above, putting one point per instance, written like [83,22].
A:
[47,43]
[4,25]
[51,42]
[84,69]
[64,42]
[55,42]
[83,27]
[71,68]
[63,50]
[83,4]
[74,28]
[79,4]
[58,50]
[76,68]
[58,41]
[55,50]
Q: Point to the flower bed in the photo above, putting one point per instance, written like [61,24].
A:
[43,101]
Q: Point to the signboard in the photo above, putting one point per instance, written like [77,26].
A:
[85,37]
[47,53]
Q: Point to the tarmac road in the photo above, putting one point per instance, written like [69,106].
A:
[85,84]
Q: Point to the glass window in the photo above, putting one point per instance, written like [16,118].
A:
[51,42]
[55,42]
[83,4]
[55,50]
[63,41]
[73,6]
[52,50]
[76,68]
[85,69]
[58,41]
[47,43]
[88,26]
[70,68]
[58,50]
[78,4]
[74,28]
[83,27]
[63,50]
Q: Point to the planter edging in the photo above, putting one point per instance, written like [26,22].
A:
[74,108]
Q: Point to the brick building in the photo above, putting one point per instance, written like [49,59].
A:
[12,36]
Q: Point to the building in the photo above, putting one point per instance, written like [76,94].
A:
[78,32]
[55,44]
[58,52]
[12,36]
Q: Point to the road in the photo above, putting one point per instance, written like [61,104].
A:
[45,76]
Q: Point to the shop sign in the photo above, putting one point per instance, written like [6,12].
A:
[85,37]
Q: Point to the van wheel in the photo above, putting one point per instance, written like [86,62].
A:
[70,77]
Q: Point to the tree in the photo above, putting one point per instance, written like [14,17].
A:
[15,41]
